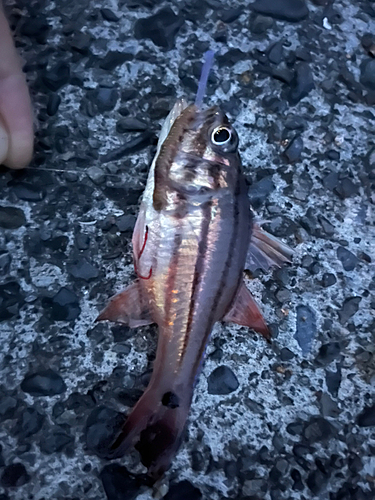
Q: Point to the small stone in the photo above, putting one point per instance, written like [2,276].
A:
[82,241]
[11,300]
[285,10]
[54,101]
[328,407]
[275,52]
[368,74]
[8,405]
[83,269]
[5,261]
[286,354]
[295,123]
[333,381]
[259,191]
[30,422]
[64,306]
[109,15]
[183,490]
[252,487]
[81,42]
[349,308]
[260,24]
[130,125]
[305,328]
[102,427]
[161,28]
[103,98]
[43,383]
[14,475]
[222,381]
[126,223]
[113,59]
[367,417]
[132,146]
[346,188]
[302,83]
[55,441]
[294,149]
[316,481]
[96,174]
[348,259]
[318,429]
[57,77]
[11,218]
[328,279]
[328,353]
[118,483]
[28,192]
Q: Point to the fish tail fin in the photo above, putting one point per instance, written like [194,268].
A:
[156,425]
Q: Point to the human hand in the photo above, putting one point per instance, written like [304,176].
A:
[16,122]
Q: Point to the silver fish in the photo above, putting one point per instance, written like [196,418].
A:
[194,236]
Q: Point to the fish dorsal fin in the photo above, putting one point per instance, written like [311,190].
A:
[175,112]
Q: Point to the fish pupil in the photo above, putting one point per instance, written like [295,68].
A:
[221,136]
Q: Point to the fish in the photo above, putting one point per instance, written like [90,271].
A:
[194,236]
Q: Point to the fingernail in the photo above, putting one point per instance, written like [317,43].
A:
[4,143]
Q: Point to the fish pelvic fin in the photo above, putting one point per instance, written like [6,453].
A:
[266,251]
[155,426]
[245,312]
[129,307]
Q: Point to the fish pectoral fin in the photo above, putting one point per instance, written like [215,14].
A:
[129,307]
[245,312]
[266,251]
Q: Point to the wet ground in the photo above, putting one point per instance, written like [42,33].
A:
[291,420]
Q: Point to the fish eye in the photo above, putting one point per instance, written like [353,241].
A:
[221,135]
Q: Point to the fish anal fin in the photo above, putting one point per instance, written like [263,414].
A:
[129,307]
[266,251]
[245,312]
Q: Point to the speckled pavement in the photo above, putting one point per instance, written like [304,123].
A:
[291,420]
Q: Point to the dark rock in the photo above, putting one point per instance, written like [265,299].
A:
[11,218]
[30,422]
[113,59]
[64,306]
[285,10]
[35,28]
[367,417]
[286,354]
[333,155]
[83,269]
[161,28]
[348,260]
[102,427]
[5,261]
[55,440]
[316,481]
[109,15]
[222,381]
[96,174]
[302,84]
[333,381]
[295,123]
[346,188]
[54,101]
[328,353]
[126,223]
[259,191]
[295,428]
[43,383]
[28,192]
[103,98]
[318,429]
[260,24]
[349,308]
[275,52]
[57,76]
[283,75]
[11,300]
[82,241]
[301,450]
[305,328]
[183,491]
[328,407]
[119,483]
[331,180]
[130,125]
[8,405]
[14,475]
[297,479]
[294,149]
[132,146]
[230,15]
[368,74]
[328,279]
[81,42]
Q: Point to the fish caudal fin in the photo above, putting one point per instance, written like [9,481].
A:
[129,307]
[155,426]
[266,251]
[245,312]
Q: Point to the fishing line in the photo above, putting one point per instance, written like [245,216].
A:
[206,68]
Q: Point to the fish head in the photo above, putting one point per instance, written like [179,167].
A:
[198,158]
